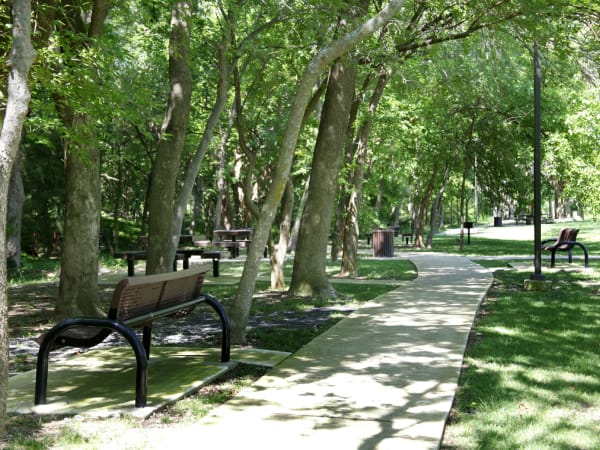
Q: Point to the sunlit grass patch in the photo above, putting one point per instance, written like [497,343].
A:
[531,377]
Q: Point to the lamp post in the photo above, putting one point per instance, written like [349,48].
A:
[537,147]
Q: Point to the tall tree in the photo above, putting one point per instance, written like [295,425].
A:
[351,224]
[19,62]
[317,65]
[309,276]
[161,197]
[78,288]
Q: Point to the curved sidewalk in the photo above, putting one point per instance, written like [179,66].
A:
[383,378]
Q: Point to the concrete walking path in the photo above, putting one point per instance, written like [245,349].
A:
[383,378]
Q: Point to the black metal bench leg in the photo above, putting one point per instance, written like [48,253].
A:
[141,377]
[147,339]
[130,267]
[225,324]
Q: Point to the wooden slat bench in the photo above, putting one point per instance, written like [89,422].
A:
[136,303]
[566,240]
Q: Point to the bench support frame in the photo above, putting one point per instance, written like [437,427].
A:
[141,349]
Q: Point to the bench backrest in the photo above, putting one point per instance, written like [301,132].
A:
[136,296]
[566,234]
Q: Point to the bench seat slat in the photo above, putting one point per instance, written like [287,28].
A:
[163,312]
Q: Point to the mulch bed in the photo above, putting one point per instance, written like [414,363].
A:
[31,312]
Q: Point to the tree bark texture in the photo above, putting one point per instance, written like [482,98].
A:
[16,196]
[78,286]
[317,65]
[280,250]
[162,240]
[309,277]
[351,227]
[20,61]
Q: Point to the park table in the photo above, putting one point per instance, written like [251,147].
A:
[232,239]
[131,256]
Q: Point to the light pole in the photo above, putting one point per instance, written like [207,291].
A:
[537,158]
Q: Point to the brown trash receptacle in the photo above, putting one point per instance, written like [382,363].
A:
[383,243]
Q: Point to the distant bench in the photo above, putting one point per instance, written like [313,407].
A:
[566,240]
[136,303]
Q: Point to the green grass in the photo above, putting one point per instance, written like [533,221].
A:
[531,379]
[589,235]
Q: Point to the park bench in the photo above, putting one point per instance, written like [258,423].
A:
[136,303]
[566,240]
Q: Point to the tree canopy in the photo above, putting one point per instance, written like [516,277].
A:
[157,118]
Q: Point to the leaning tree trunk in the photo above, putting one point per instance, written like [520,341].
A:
[19,63]
[309,277]
[194,167]
[239,313]
[351,227]
[285,225]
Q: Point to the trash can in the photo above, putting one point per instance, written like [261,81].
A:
[497,221]
[383,243]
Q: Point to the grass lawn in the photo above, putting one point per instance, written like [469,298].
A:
[531,378]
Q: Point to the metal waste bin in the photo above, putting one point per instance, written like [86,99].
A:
[383,243]
[497,221]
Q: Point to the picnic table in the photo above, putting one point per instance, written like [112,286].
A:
[183,254]
[233,239]
[131,256]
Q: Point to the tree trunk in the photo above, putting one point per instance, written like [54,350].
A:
[422,208]
[351,227]
[78,287]
[16,196]
[194,167]
[221,183]
[309,277]
[19,63]
[350,154]
[298,220]
[461,217]
[435,209]
[162,237]
[317,65]
[280,251]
